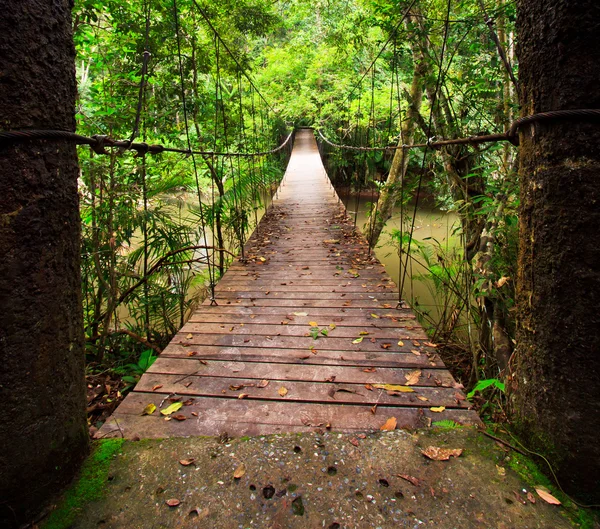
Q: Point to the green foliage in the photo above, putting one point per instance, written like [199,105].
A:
[484,384]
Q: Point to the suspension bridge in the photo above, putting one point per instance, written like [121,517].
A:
[305,334]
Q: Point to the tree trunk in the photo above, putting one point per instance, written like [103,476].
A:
[555,385]
[43,432]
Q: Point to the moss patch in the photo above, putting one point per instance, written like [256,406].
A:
[89,486]
[530,473]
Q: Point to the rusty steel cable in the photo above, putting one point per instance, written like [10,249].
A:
[511,135]
[100,143]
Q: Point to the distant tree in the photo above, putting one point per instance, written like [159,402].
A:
[556,375]
[43,431]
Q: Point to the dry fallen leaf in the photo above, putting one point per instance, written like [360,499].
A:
[546,496]
[441,454]
[187,462]
[370,370]
[363,333]
[173,502]
[300,314]
[413,377]
[158,386]
[262,384]
[354,441]
[531,497]
[401,343]
[438,409]
[149,410]
[239,471]
[386,345]
[389,425]
[243,396]
[189,336]
[283,391]
[424,399]
[415,352]
[369,387]
[180,417]
[358,340]
[410,479]
[313,323]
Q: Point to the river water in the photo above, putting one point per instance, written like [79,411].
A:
[434,229]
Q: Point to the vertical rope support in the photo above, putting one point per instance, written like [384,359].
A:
[189,144]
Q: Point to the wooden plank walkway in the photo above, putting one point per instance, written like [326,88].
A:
[305,265]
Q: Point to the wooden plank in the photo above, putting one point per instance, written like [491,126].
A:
[243,417]
[299,356]
[305,343]
[367,330]
[430,377]
[327,392]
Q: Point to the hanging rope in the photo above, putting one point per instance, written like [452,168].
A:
[189,144]
[422,172]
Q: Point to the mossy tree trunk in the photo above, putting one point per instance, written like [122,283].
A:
[43,431]
[555,383]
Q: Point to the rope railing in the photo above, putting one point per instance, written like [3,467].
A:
[511,135]
[99,143]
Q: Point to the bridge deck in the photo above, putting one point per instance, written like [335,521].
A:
[250,366]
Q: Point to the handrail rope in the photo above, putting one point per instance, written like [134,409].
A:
[510,135]
[189,144]
[99,143]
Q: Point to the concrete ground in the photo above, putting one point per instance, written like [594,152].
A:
[319,480]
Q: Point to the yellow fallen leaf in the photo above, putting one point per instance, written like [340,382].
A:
[389,425]
[415,352]
[300,313]
[438,409]
[412,378]
[394,387]
[332,326]
[283,391]
[401,343]
[149,410]
[358,340]
[425,399]
[172,408]
[546,496]
[363,333]
[189,336]
[374,316]
[313,323]
[262,259]
[239,471]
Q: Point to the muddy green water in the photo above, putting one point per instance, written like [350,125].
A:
[433,228]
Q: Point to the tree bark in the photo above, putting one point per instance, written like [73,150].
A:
[43,432]
[555,384]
